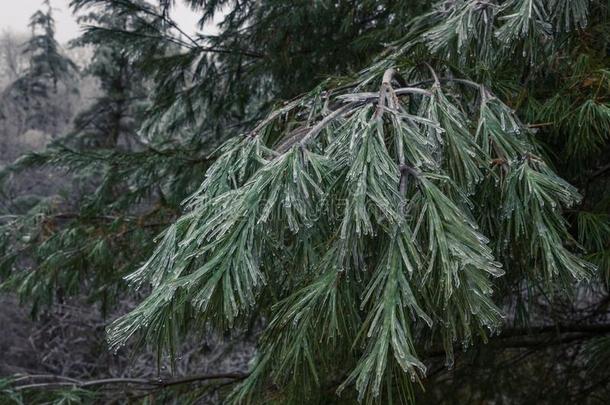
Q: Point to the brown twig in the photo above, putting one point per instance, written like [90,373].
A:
[143,383]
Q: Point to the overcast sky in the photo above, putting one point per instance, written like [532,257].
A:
[15,15]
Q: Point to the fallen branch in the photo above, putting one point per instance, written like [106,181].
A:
[142,383]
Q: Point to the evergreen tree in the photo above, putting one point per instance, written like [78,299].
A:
[33,94]
[116,199]
[374,225]
[47,64]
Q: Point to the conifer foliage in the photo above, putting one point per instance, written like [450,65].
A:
[50,74]
[47,64]
[384,218]
[372,206]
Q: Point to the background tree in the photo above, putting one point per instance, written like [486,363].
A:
[47,64]
[377,222]
[11,53]
[30,101]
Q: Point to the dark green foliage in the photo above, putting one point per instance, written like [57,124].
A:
[120,196]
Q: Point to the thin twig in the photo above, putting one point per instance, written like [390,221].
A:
[147,383]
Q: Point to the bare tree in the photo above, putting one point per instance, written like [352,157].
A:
[12,60]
